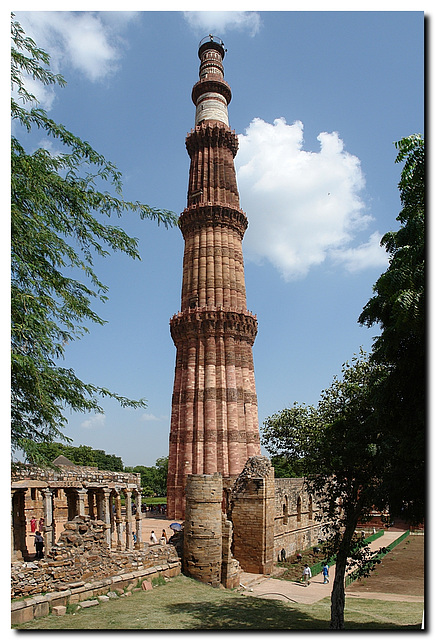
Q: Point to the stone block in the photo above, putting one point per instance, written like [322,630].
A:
[146,585]
[89,603]
[41,609]
[103,598]
[58,600]
[59,610]
[22,615]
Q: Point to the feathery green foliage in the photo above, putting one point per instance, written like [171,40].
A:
[55,233]
[398,305]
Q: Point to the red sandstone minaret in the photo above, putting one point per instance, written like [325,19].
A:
[214,423]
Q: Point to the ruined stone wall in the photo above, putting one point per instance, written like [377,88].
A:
[230,573]
[297,524]
[252,515]
[81,556]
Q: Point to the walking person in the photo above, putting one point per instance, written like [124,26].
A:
[39,545]
[33,524]
[325,571]
[306,575]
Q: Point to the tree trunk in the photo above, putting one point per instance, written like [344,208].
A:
[337,595]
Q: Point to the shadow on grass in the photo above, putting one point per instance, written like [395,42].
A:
[249,613]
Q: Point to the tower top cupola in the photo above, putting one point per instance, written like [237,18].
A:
[211,95]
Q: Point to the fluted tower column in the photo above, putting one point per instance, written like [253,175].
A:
[214,423]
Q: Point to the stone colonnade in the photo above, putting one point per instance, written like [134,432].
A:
[55,497]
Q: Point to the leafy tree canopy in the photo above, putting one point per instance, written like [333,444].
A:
[82,455]
[153,479]
[398,305]
[285,468]
[58,225]
[339,448]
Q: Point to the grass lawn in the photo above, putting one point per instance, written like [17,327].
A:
[183,603]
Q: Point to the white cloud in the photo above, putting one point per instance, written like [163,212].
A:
[303,207]
[219,22]
[88,41]
[95,422]
[149,417]
[369,254]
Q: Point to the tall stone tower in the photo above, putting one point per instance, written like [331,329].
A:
[214,423]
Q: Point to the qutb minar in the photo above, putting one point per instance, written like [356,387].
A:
[214,422]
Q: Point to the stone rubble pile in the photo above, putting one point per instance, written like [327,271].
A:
[81,556]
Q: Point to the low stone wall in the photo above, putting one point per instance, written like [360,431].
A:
[41,605]
[80,560]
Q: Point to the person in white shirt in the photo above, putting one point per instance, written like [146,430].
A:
[306,575]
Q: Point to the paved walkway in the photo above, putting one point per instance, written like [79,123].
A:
[262,586]
[156,523]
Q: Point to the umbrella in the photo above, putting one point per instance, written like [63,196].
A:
[175,526]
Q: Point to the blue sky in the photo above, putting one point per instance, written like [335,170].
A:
[318,100]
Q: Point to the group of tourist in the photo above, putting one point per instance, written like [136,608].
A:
[162,540]
[306,574]
[154,508]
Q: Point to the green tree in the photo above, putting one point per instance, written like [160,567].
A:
[285,468]
[153,479]
[398,305]
[108,461]
[162,475]
[340,450]
[81,455]
[56,233]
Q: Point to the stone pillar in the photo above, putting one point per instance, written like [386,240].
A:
[253,516]
[91,504]
[203,528]
[99,506]
[48,519]
[106,516]
[128,521]
[81,495]
[139,543]
[118,521]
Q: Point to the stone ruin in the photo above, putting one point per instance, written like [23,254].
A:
[230,525]
[81,556]
[244,525]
